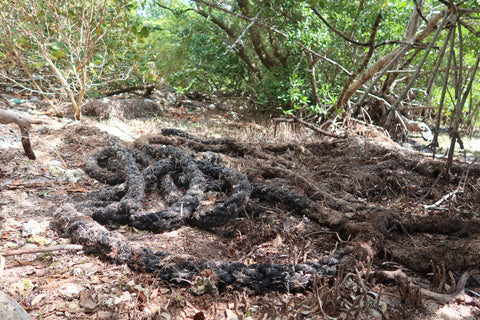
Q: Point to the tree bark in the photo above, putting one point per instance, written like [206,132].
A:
[371,49]
[412,28]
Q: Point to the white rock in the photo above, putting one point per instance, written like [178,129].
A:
[73,175]
[10,309]
[230,315]
[33,227]
[165,316]
[72,290]
[125,297]
[56,168]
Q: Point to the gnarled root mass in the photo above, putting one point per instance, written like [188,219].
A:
[184,170]
[168,267]
[169,168]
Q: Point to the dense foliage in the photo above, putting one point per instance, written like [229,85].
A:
[298,54]
[316,56]
[71,49]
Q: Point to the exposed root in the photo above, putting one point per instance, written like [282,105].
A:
[260,277]
[412,293]
[23,121]
[197,190]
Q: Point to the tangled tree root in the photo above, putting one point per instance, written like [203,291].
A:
[168,267]
[171,169]
[187,176]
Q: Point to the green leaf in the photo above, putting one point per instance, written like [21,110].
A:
[55,46]
[150,77]
[144,33]
[59,54]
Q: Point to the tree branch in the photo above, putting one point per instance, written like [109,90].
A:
[22,120]
[371,49]
[73,247]
[470,28]
[252,68]
[387,60]
[256,39]
[309,125]
[419,67]
[175,12]
[364,44]
[241,16]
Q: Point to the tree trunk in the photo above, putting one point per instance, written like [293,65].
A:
[257,41]
[242,54]
[383,61]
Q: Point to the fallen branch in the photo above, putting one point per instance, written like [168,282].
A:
[460,189]
[17,252]
[458,295]
[24,123]
[309,125]
[148,90]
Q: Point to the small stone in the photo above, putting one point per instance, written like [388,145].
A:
[56,168]
[71,291]
[73,175]
[39,240]
[11,245]
[33,227]
[87,301]
[230,315]
[125,297]
[375,314]
[104,314]
[37,299]
[383,307]
[22,287]
[165,316]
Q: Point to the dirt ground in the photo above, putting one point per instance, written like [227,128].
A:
[364,183]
